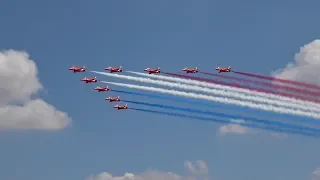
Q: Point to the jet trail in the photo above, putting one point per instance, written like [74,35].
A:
[255,120]
[295,108]
[290,102]
[217,99]
[227,122]
[213,105]
[304,92]
[235,85]
[297,83]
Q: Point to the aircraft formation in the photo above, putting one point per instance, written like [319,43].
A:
[99,88]
[278,96]
[76,69]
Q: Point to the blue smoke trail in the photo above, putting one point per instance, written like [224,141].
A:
[227,122]
[280,124]
[211,104]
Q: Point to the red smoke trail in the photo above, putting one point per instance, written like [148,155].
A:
[243,87]
[280,80]
[304,92]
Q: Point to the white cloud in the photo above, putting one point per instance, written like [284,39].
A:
[233,128]
[18,82]
[198,171]
[306,66]
[200,168]
[316,174]
[241,130]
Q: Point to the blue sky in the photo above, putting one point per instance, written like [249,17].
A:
[251,36]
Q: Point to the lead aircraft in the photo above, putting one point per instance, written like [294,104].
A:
[77,69]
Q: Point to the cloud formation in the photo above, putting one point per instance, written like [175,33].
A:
[241,130]
[233,128]
[19,82]
[195,171]
[316,174]
[306,66]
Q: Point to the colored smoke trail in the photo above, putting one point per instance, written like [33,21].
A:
[175,99]
[244,87]
[280,106]
[304,92]
[197,102]
[251,95]
[215,99]
[226,122]
[211,104]
[280,80]
[223,115]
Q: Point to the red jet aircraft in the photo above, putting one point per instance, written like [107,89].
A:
[99,89]
[112,69]
[152,70]
[121,107]
[111,99]
[190,70]
[220,69]
[77,69]
[89,80]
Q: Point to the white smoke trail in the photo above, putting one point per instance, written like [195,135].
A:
[236,95]
[311,105]
[217,99]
